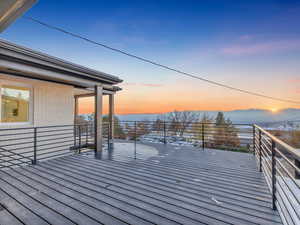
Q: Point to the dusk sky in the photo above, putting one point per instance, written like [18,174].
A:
[253,45]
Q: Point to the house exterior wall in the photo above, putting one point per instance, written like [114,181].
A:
[52,103]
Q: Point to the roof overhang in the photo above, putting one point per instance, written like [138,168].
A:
[21,61]
[10,10]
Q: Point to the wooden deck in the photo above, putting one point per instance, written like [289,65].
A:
[176,186]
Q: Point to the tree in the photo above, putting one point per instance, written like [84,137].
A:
[225,134]
[118,130]
[158,125]
[231,135]
[204,124]
[220,119]
[181,120]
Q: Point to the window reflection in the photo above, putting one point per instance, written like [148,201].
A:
[14,104]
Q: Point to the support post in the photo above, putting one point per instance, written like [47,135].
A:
[273,175]
[98,120]
[75,118]
[75,108]
[111,120]
[259,148]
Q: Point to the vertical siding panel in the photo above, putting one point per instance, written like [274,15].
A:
[52,105]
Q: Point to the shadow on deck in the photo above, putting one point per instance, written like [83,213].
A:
[164,185]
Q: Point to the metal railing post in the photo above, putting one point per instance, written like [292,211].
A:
[165,135]
[108,136]
[87,135]
[203,140]
[254,140]
[135,134]
[273,175]
[74,132]
[34,145]
[259,148]
[79,135]
[297,164]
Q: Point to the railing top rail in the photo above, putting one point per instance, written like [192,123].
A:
[293,151]
[167,121]
[51,126]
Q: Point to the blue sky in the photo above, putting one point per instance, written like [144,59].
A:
[253,45]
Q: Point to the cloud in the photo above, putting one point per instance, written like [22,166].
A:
[246,37]
[265,47]
[294,80]
[142,84]
[152,85]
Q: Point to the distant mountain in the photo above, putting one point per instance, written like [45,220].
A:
[237,116]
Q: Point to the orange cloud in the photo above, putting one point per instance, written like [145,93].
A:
[296,80]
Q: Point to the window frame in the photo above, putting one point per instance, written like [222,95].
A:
[30,108]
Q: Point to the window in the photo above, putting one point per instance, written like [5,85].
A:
[15,104]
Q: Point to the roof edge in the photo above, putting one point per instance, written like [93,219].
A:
[57,61]
[17,8]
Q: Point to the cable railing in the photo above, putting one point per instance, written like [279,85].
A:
[280,164]
[23,146]
[236,137]
[278,161]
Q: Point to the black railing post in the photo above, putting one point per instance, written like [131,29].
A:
[79,136]
[74,132]
[165,133]
[87,135]
[259,149]
[108,136]
[135,134]
[297,164]
[254,139]
[34,145]
[203,140]
[273,175]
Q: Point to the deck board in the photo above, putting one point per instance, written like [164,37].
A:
[173,187]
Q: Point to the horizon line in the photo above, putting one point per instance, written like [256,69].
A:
[153,113]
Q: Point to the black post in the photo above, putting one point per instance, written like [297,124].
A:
[203,140]
[87,135]
[34,145]
[135,139]
[108,136]
[79,133]
[259,148]
[74,132]
[297,164]
[273,175]
[254,140]
[165,135]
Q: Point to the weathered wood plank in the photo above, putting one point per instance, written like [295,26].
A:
[174,187]
[211,207]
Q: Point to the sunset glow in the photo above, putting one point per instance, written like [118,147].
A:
[274,110]
[256,51]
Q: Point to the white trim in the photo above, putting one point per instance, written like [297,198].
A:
[31,103]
